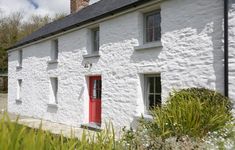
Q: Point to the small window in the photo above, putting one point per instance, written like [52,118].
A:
[95,40]
[19,88]
[152,91]
[20,58]
[97,89]
[54,50]
[152,26]
[54,90]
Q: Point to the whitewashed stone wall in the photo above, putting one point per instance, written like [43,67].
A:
[191,56]
[232,50]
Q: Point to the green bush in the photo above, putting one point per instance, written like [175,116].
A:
[191,113]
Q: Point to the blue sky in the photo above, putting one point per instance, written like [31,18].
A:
[38,7]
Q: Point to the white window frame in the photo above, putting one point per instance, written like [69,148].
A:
[146,90]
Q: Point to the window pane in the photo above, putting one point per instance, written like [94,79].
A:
[150,21]
[157,100]
[150,35]
[158,85]
[151,84]
[157,20]
[20,57]
[96,40]
[153,27]
[97,89]
[56,50]
[151,101]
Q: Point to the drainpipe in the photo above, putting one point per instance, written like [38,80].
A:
[226,66]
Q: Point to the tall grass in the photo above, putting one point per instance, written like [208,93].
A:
[14,136]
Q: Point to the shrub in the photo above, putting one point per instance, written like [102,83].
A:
[193,112]
[188,114]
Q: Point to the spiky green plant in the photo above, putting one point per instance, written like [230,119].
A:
[192,112]
[14,136]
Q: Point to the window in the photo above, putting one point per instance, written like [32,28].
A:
[152,26]
[20,58]
[152,91]
[96,92]
[54,90]
[54,50]
[19,88]
[95,40]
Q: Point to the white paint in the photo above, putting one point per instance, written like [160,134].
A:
[93,1]
[191,56]
[232,50]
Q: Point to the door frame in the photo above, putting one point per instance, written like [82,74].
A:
[90,90]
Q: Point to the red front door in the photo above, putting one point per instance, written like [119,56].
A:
[95,87]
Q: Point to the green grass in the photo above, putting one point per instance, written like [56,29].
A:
[14,136]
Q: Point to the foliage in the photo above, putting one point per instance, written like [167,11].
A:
[189,116]
[14,136]
[13,27]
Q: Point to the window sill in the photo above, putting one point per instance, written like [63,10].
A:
[148,46]
[93,55]
[19,67]
[53,105]
[52,62]
[146,117]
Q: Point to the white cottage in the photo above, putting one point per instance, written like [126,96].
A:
[112,60]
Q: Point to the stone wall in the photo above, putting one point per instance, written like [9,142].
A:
[191,56]
[232,50]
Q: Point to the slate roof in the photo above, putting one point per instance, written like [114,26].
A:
[99,10]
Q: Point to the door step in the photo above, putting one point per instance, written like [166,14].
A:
[91,126]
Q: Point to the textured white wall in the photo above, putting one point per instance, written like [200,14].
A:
[191,56]
[232,50]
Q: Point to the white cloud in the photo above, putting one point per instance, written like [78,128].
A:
[50,7]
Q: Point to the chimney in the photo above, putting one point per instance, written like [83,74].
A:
[76,5]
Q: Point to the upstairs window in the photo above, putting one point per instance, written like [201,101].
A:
[20,58]
[54,90]
[152,26]
[54,50]
[95,40]
[152,91]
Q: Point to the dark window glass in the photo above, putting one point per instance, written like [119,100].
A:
[153,91]
[151,101]
[20,57]
[153,27]
[97,89]
[157,83]
[96,40]
[55,50]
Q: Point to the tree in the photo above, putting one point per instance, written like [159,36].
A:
[13,28]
